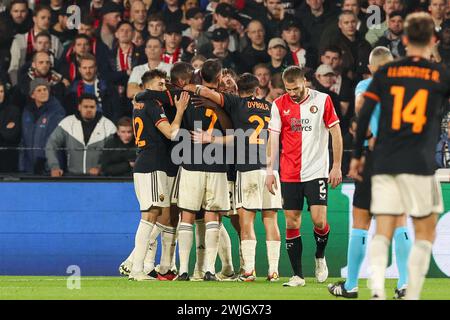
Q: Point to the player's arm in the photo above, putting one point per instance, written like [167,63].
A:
[205,92]
[359,101]
[171,130]
[273,148]
[205,137]
[166,97]
[335,177]
[133,89]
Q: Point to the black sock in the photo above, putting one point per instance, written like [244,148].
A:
[321,243]
[294,248]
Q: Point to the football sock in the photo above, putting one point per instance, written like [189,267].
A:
[149,261]
[418,264]
[225,255]
[185,240]
[321,237]
[141,243]
[200,244]
[403,245]
[211,245]
[378,252]
[168,241]
[273,255]
[294,247]
[355,256]
[248,248]
[130,257]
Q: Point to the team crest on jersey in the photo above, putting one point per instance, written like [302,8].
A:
[313,109]
[161,197]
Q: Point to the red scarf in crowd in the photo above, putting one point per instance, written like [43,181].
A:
[124,59]
[171,58]
[30,42]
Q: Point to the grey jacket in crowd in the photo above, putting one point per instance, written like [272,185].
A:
[81,157]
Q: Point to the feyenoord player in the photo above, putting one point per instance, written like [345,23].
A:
[411,93]
[301,120]
[152,185]
[361,204]
[250,117]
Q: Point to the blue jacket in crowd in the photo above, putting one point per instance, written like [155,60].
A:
[37,125]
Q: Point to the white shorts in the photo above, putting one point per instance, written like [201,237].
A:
[153,189]
[202,190]
[252,193]
[416,195]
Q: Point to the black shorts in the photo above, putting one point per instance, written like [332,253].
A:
[363,190]
[315,192]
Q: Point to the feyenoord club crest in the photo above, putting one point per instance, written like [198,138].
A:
[313,109]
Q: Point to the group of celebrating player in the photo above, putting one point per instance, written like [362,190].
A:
[183,173]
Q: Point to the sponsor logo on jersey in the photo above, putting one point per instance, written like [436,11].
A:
[299,125]
[286,112]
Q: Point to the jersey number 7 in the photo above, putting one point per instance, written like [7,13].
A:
[414,112]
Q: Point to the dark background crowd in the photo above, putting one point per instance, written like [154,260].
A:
[53,60]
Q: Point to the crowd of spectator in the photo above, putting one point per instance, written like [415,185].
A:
[66,80]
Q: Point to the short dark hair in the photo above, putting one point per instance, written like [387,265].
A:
[211,70]
[14,2]
[40,8]
[81,36]
[152,74]
[259,66]
[155,17]
[181,71]
[293,73]
[247,83]
[44,34]
[87,20]
[155,38]
[276,82]
[87,96]
[124,122]
[122,22]
[331,48]
[419,28]
[88,56]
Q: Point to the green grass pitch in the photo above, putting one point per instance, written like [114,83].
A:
[118,288]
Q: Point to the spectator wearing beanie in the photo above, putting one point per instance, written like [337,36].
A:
[40,117]
[111,16]
[220,43]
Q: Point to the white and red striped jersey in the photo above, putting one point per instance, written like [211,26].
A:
[304,135]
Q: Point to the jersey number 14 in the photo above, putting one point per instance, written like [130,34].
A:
[413,113]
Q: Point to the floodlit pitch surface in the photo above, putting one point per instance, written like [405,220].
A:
[118,288]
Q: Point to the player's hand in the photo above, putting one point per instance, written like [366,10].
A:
[356,168]
[203,102]
[335,177]
[56,173]
[201,136]
[182,101]
[271,183]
